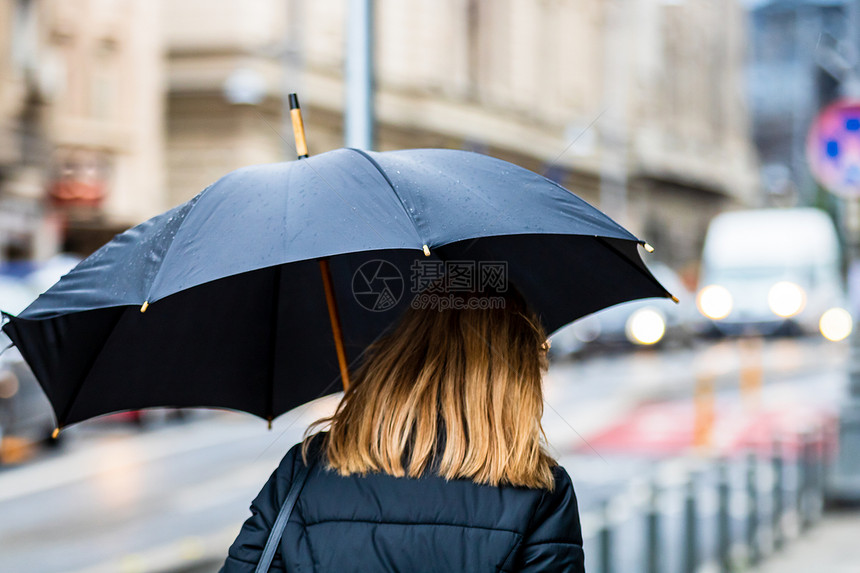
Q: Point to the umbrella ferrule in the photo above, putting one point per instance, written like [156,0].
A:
[298,127]
[144,306]
[426,251]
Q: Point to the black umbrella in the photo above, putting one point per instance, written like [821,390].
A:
[220,301]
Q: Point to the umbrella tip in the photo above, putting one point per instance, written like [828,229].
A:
[674,298]
[648,247]
[55,433]
[426,251]
[144,306]
[269,420]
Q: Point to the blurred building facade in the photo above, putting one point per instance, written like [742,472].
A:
[639,107]
[81,130]
[224,61]
[113,110]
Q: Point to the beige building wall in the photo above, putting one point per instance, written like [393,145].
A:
[211,45]
[107,100]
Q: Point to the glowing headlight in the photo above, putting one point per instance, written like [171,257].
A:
[715,302]
[836,324]
[786,299]
[645,326]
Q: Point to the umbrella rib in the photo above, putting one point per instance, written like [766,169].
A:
[276,307]
[382,172]
[621,255]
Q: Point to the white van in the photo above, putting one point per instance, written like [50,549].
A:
[773,271]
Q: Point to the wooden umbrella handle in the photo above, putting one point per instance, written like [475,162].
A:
[335,322]
[325,271]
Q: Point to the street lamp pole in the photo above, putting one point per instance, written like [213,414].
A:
[358,112]
[613,152]
[845,478]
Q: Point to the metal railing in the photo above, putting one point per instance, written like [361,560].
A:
[721,514]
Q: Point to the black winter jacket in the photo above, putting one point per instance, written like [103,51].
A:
[380,523]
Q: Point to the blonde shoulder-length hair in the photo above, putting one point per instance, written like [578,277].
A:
[455,391]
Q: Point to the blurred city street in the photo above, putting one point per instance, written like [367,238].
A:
[171,496]
[158,180]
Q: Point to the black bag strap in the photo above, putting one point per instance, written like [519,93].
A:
[283,516]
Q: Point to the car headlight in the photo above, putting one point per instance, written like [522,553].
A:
[715,302]
[836,324]
[645,326]
[786,299]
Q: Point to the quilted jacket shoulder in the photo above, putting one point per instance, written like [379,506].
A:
[378,522]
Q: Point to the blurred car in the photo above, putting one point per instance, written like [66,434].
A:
[773,271]
[47,273]
[24,409]
[15,295]
[643,322]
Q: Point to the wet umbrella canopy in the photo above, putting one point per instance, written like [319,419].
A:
[220,301]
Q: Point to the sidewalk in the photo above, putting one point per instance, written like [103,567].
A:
[831,546]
